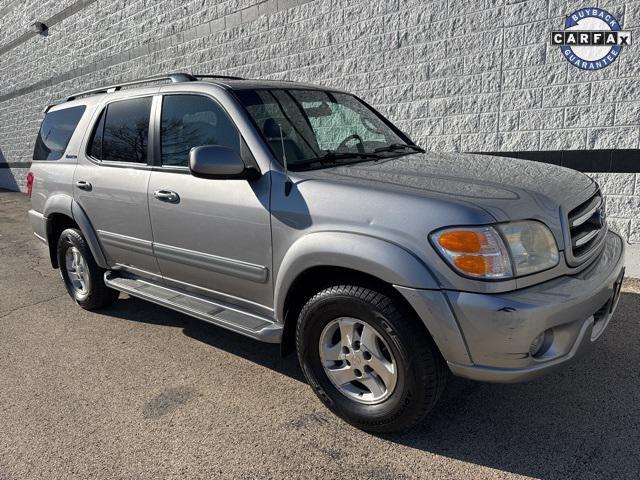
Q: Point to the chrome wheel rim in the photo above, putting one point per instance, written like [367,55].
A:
[357,360]
[77,271]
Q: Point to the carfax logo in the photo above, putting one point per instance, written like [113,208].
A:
[592,38]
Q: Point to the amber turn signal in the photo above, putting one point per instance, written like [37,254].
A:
[462,241]
[472,264]
[477,252]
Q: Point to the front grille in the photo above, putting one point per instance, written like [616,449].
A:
[587,225]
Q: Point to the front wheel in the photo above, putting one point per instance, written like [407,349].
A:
[369,359]
[83,278]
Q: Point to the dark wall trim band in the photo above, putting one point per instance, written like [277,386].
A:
[15,165]
[57,18]
[588,161]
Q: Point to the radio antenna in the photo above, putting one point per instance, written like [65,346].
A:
[287,183]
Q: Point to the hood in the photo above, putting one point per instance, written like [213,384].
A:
[506,188]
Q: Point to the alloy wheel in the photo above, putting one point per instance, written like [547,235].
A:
[357,360]
[77,270]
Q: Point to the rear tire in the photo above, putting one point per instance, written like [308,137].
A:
[343,329]
[83,278]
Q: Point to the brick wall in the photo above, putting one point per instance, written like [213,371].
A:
[456,75]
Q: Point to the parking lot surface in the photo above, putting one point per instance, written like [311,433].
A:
[139,391]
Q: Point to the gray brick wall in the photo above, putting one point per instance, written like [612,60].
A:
[456,75]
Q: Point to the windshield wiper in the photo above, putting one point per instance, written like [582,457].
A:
[335,157]
[329,156]
[399,146]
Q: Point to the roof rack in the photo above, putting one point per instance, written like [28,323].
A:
[224,77]
[174,77]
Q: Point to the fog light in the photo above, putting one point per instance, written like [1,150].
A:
[538,345]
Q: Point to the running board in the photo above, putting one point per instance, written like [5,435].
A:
[224,315]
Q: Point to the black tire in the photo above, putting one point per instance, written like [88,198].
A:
[421,373]
[97,294]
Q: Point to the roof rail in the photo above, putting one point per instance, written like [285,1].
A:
[174,77]
[224,77]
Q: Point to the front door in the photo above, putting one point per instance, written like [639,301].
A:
[210,236]
[110,184]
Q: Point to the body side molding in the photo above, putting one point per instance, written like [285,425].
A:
[137,245]
[227,266]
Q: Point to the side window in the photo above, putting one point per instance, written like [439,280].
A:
[55,132]
[191,121]
[95,147]
[122,132]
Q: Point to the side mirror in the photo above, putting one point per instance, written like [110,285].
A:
[216,161]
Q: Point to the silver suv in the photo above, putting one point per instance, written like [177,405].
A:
[299,215]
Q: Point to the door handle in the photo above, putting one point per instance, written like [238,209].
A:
[82,185]
[167,196]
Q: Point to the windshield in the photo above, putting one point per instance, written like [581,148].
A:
[310,127]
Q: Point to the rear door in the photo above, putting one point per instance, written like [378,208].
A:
[210,236]
[110,183]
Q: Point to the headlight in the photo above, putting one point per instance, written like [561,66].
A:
[499,252]
[532,246]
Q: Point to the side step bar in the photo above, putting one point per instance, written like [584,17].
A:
[224,315]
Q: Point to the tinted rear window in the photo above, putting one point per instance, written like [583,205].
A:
[122,132]
[55,132]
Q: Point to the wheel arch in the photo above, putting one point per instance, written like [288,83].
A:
[56,224]
[320,259]
[62,212]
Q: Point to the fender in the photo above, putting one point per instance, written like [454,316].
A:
[59,203]
[89,234]
[66,205]
[384,260]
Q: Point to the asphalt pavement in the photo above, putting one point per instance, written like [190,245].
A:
[139,391]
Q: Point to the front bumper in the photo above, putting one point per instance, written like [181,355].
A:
[497,329]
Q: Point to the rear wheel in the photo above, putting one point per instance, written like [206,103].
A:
[369,359]
[83,278]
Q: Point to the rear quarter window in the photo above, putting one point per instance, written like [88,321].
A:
[55,132]
[121,134]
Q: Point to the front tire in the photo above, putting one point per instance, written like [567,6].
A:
[83,278]
[369,359]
